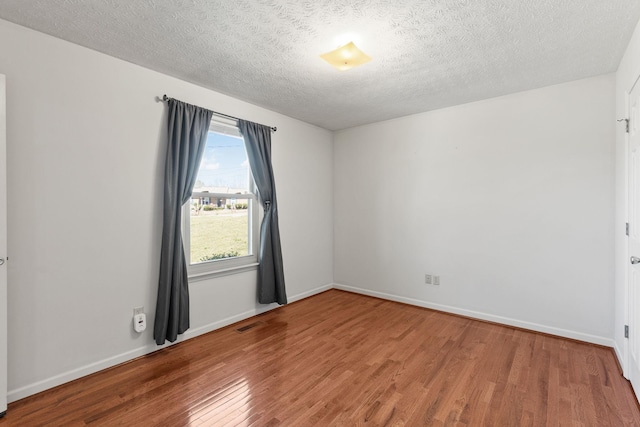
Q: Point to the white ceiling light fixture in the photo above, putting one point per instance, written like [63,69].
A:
[346,57]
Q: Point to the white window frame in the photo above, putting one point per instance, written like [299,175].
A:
[224,266]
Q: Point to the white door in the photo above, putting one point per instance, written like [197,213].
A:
[3,246]
[634,239]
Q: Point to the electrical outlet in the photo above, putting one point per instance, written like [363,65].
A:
[428,279]
[436,280]
[138,310]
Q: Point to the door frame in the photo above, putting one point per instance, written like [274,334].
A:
[3,247]
[626,356]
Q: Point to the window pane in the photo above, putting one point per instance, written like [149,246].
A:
[219,224]
[219,233]
[224,167]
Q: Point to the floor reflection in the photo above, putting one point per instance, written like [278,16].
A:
[229,406]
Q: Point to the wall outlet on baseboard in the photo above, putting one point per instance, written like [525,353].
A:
[428,279]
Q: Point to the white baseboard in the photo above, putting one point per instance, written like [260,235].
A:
[621,359]
[192,333]
[594,339]
[91,368]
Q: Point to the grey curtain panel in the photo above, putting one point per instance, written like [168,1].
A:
[257,139]
[188,126]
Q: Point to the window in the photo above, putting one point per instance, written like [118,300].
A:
[220,225]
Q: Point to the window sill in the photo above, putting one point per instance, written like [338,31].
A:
[196,277]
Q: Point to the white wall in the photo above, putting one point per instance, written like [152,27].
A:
[85,161]
[628,72]
[509,200]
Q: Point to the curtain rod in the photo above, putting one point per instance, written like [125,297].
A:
[165,98]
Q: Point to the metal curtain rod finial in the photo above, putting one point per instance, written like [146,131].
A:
[165,98]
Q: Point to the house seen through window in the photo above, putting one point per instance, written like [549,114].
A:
[221,230]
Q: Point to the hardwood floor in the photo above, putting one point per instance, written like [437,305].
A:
[344,359]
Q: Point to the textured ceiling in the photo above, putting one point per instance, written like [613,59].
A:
[427,54]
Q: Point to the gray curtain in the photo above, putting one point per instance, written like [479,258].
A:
[257,139]
[188,126]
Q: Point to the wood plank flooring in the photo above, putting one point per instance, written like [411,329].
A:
[340,359]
